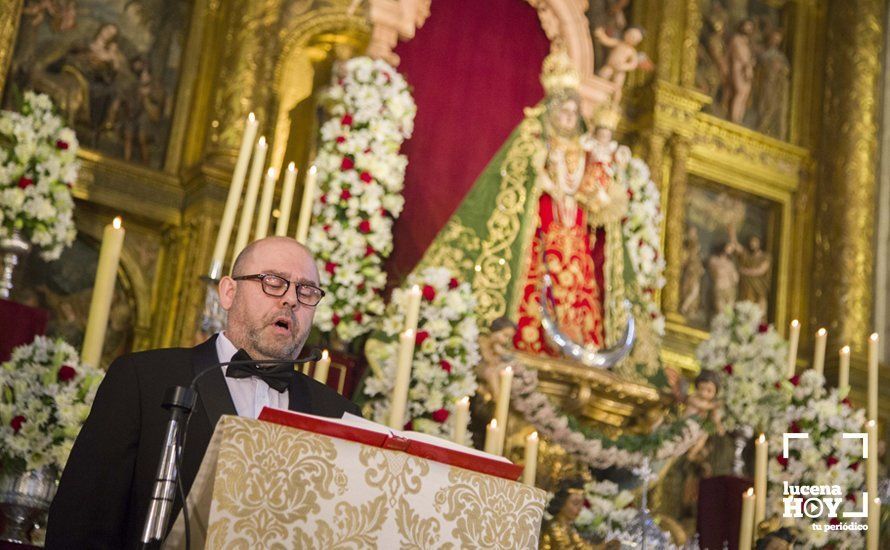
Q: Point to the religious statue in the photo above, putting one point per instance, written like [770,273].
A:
[780,539]
[496,348]
[712,70]
[703,401]
[623,57]
[773,88]
[559,533]
[741,70]
[691,274]
[754,271]
[724,278]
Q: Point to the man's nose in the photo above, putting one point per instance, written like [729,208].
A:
[289,298]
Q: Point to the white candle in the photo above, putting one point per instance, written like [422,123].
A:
[746,526]
[403,379]
[760,454]
[531,459]
[819,351]
[287,200]
[492,433]
[874,523]
[412,312]
[502,405]
[265,214]
[793,340]
[871,463]
[103,292]
[231,208]
[253,189]
[843,372]
[322,367]
[873,377]
[460,418]
[306,206]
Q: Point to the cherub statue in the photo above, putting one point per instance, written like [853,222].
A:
[496,348]
[703,401]
[623,56]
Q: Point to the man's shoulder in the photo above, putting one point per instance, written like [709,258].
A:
[160,356]
[326,401]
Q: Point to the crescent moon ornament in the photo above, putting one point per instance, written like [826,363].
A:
[603,358]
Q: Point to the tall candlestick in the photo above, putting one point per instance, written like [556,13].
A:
[871,463]
[412,313]
[531,459]
[287,200]
[793,340]
[103,292]
[843,372]
[746,527]
[760,454]
[461,416]
[492,433]
[231,208]
[265,213]
[873,377]
[306,206]
[403,378]
[502,405]
[819,351]
[872,536]
[253,189]
[321,367]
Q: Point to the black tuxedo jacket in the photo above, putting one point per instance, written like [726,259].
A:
[103,494]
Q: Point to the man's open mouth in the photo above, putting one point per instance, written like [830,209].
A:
[283,323]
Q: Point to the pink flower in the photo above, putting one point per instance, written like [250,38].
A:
[341,139]
[369,250]
[346,120]
[366,177]
[345,194]
[346,164]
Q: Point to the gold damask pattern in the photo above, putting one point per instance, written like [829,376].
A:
[396,474]
[462,246]
[490,512]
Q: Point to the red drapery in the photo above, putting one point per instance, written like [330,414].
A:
[473,66]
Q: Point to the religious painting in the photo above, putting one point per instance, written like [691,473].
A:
[730,247]
[65,287]
[111,66]
[743,63]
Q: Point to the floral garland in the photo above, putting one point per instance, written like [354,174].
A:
[642,233]
[445,352]
[825,458]
[360,174]
[750,357]
[607,510]
[593,448]
[45,396]
[38,166]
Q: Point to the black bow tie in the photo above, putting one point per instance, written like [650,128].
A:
[277,376]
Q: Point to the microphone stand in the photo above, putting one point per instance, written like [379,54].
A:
[179,401]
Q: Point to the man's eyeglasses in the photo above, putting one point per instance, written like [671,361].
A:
[273,285]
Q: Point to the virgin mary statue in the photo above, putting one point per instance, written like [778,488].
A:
[551,203]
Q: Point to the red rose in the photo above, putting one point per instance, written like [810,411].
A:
[324,199]
[346,164]
[61,144]
[357,317]
[852,496]
[783,461]
[66,373]
[441,415]
[795,380]
[365,226]
[341,139]
[409,426]
[429,293]
[762,327]
[831,461]
[452,284]
[335,319]
[330,267]
[366,177]
[346,120]
[25,183]
[326,227]
[16,423]
[384,212]
[446,366]
[846,401]
[834,521]
[369,250]
[421,336]
[361,287]
[728,369]
[345,194]
[794,427]
[855,466]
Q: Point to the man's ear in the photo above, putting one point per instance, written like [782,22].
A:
[227,289]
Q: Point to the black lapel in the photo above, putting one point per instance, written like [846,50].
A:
[213,393]
[298,394]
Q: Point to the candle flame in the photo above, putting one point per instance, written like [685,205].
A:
[508,369]
[873,337]
[313,169]
[870,424]
[262,141]
[291,167]
[845,350]
[251,117]
[821,332]
[750,492]
[877,502]
[493,423]
[533,435]
[117,222]
[761,439]
[324,355]
[409,333]
[465,400]
[795,323]
[271,173]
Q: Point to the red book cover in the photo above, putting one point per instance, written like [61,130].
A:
[412,443]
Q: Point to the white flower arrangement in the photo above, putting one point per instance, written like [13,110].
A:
[750,357]
[825,458]
[361,175]
[45,396]
[607,510]
[642,233]
[596,450]
[445,353]
[38,166]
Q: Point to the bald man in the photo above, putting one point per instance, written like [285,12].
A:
[104,491]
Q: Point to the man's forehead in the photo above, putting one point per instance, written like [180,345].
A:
[283,259]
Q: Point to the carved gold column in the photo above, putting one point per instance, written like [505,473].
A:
[845,198]
[689,56]
[675,222]
[10,13]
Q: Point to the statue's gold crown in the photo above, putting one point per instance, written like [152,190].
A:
[558,73]
[607,117]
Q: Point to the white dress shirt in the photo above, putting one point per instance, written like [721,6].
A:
[251,394]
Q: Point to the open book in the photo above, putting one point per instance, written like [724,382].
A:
[356,428]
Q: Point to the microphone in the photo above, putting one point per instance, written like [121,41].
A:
[180,401]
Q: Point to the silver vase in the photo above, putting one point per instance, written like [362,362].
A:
[12,248]
[24,502]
